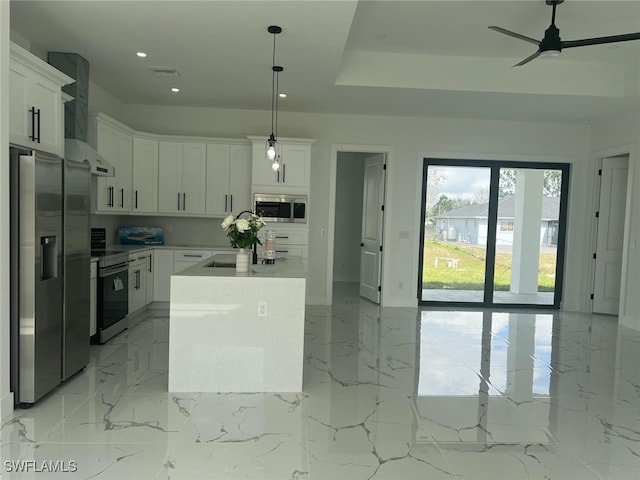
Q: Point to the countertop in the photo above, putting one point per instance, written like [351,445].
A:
[142,248]
[292,267]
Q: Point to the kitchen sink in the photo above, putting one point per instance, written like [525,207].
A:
[221,265]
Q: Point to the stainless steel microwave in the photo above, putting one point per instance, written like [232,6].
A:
[281,208]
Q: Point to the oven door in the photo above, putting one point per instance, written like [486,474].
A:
[113,295]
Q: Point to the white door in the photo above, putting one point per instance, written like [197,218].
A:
[372,221]
[169,177]
[217,195]
[145,176]
[194,177]
[609,240]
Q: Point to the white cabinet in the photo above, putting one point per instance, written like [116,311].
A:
[93,295]
[228,179]
[162,271]
[149,278]
[113,194]
[144,176]
[137,280]
[185,258]
[182,177]
[295,165]
[290,242]
[36,109]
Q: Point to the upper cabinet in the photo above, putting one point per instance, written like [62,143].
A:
[115,144]
[182,178]
[228,179]
[145,176]
[295,164]
[36,109]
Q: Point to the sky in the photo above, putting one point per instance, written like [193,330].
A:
[457,182]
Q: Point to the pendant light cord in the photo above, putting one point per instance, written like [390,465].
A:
[273,87]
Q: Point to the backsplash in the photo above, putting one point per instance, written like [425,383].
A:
[177,231]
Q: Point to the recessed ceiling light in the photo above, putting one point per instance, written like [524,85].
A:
[282,95]
[141,54]
[175,90]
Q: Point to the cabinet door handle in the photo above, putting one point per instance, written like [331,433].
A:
[110,197]
[282,251]
[192,255]
[278,176]
[32,111]
[38,140]
[184,201]
[178,200]
[136,199]
[122,198]
[282,236]
[231,209]
[150,263]
[284,173]
[225,202]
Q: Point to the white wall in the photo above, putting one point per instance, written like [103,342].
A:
[6,398]
[348,225]
[623,134]
[410,138]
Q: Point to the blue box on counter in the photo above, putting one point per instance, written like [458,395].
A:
[140,236]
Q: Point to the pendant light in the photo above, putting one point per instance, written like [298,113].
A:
[272,141]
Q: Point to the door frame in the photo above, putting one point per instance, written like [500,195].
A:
[386,240]
[495,164]
[598,156]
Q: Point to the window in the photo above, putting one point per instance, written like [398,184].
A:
[506,226]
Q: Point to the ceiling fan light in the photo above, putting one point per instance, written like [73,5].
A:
[550,53]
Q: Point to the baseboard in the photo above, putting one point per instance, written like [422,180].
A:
[317,301]
[6,406]
[400,302]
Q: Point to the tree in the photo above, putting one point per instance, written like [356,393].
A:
[507,183]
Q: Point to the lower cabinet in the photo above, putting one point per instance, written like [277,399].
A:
[162,271]
[290,242]
[93,295]
[137,281]
[149,278]
[185,258]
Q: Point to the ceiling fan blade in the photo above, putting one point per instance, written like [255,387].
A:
[528,59]
[514,34]
[600,40]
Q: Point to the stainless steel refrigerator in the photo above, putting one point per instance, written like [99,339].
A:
[49,272]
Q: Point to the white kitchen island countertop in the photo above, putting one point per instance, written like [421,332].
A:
[237,332]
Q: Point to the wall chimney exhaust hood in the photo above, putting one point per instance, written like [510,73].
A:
[76,112]
[79,151]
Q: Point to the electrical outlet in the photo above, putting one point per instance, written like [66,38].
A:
[263,309]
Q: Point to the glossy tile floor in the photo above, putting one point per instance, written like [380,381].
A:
[389,393]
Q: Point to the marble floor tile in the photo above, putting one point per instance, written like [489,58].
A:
[389,393]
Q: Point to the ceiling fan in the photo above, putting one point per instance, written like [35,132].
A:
[552,45]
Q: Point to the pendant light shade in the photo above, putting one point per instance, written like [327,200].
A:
[272,142]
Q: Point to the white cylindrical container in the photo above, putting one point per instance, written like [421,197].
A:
[270,247]
[242,261]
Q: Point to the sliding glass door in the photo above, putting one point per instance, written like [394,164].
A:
[493,233]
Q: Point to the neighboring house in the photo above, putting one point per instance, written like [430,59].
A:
[469,224]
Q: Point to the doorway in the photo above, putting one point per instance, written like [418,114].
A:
[355,244]
[493,233]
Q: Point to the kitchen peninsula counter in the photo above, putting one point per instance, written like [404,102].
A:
[237,332]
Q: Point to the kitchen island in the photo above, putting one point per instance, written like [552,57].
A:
[237,332]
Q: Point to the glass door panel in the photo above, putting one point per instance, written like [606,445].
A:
[455,233]
[527,236]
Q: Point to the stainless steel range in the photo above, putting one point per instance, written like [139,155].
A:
[113,293]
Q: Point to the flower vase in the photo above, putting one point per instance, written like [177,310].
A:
[242,261]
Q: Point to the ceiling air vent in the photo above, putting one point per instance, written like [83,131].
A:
[165,71]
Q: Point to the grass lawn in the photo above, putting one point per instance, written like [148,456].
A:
[469,274]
